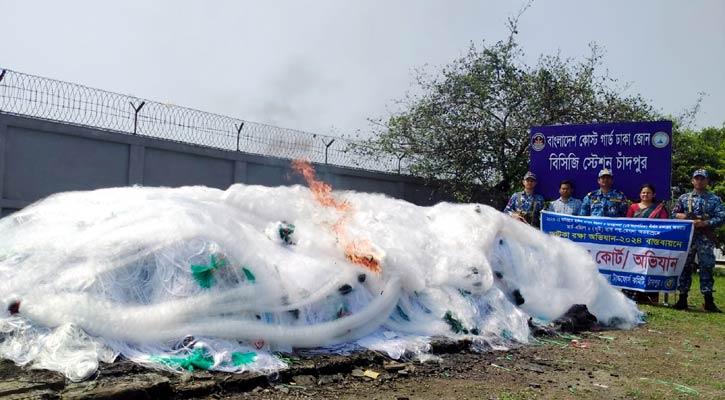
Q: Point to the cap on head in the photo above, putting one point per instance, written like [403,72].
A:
[700,172]
[530,175]
[605,172]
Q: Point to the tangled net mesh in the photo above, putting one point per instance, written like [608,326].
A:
[200,278]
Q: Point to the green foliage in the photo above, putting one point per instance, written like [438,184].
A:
[699,149]
[469,127]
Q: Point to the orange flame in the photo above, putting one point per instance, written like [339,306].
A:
[368,261]
[320,190]
[359,253]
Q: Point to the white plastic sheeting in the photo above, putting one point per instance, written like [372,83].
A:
[96,274]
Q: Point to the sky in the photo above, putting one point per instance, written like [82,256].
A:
[328,66]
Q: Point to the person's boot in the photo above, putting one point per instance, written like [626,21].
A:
[710,304]
[681,302]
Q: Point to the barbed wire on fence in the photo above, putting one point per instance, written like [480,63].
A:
[50,99]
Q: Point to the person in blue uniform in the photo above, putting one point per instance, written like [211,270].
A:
[526,205]
[606,201]
[706,211]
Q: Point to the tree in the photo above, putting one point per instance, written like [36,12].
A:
[468,130]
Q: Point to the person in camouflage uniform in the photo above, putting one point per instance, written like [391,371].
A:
[707,212]
[606,201]
[526,206]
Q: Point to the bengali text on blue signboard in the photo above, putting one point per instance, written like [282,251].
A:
[637,153]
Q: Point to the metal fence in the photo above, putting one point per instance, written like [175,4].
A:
[50,99]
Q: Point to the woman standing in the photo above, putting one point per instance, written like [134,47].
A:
[647,206]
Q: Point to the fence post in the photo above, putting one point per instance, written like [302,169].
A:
[135,114]
[400,158]
[2,75]
[239,132]
[327,147]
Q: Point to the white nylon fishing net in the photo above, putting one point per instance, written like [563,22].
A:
[202,278]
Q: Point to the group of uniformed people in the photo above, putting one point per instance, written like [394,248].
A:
[704,208]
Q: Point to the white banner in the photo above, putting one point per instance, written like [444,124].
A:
[640,254]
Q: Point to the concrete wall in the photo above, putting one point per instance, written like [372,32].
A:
[39,158]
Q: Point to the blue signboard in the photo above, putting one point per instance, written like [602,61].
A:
[636,152]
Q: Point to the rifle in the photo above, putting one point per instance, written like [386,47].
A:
[708,232]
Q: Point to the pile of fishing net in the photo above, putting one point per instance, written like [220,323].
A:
[200,278]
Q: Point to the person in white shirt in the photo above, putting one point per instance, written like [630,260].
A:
[566,204]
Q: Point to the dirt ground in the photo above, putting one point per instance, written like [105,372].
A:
[644,363]
[639,364]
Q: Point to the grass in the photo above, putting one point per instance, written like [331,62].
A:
[666,317]
[676,355]
[688,345]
